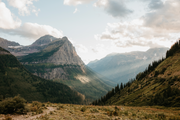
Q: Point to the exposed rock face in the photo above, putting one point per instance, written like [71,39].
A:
[5,43]
[44,40]
[65,55]
[53,73]
[59,62]
[58,73]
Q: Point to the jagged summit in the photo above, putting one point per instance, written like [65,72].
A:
[60,62]
[58,52]
[44,40]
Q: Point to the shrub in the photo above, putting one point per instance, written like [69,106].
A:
[37,107]
[7,117]
[94,110]
[161,116]
[13,105]
[83,109]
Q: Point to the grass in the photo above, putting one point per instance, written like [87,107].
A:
[89,112]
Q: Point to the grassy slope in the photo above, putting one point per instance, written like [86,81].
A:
[81,112]
[92,90]
[15,79]
[153,86]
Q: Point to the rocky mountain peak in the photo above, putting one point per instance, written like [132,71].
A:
[66,54]
[44,40]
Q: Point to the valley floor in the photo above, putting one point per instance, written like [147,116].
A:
[88,112]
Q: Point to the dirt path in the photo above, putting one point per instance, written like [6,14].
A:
[29,117]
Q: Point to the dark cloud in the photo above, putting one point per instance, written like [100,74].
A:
[155,4]
[117,8]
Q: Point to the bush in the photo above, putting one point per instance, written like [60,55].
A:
[83,109]
[94,110]
[13,105]
[160,116]
[37,107]
[7,117]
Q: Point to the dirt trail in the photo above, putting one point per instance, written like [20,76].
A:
[28,117]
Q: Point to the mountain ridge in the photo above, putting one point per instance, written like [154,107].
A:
[124,66]
[59,62]
[15,79]
[158,85]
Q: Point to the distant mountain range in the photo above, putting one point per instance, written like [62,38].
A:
[55,59]
[158,85]
[15,79]
[7,44]
[122,67]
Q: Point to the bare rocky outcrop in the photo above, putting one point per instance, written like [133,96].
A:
[5,43]
[65,55]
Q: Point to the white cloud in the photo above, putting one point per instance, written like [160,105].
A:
[81,48]
[34,31]
[25,7]
[76,2]
[159,27]
[166,19]
[12,25]
[7,19]
[75,11]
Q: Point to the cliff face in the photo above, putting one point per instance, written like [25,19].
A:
[59,62]
[66,54]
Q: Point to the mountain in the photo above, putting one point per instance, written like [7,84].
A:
[15,79]
[159,84]
[18,50]
[122,67]
[6,44]
[59,62]
[44,40]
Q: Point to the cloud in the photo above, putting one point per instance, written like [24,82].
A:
[116,8]
[76,2]
[81,48]
[25,7]
[34,30]
[165,19]
[7,19]
[155,4]
[12,25]
[75,10]
[99,48]
[158,27]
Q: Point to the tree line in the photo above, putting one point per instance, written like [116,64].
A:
[116,89]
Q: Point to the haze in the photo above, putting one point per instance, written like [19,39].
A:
[95,27]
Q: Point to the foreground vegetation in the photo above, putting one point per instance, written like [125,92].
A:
[53,111]
[158,85]
[15,79]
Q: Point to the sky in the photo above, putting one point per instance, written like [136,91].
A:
[95,27]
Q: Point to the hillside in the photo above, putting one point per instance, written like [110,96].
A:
[18,50]
[122,67]
[44,40]
[6,44]
[59,62]
[15,79]
[159,84]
